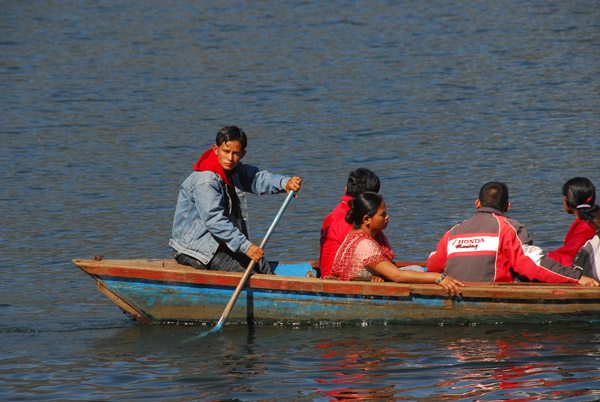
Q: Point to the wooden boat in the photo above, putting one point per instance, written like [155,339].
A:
[164,292]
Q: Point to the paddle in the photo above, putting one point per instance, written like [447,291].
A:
[240,285]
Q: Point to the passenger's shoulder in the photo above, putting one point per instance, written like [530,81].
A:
[513,222]
[197,178]
[244,169]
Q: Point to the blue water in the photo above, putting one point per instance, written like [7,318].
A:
[106,105]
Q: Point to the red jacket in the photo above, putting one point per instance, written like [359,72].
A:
[490,247]
[334,231]
[579,233]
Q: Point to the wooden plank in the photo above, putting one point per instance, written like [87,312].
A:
[138,273]
[531,291]
[522,291]
[122,304]
[366,288]
[285,283]
[216,278]
[168,270]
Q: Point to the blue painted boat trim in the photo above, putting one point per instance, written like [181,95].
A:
[164,302]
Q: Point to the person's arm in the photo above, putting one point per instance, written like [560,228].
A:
[528,260]
[261,182]
[390,271]
[437,259]
[255,253]
[294,184]
[588,282]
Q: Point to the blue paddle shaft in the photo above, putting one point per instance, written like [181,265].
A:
[251,265]
[289,197]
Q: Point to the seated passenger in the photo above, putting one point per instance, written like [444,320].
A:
[579,197]
[210,226]
[362,257]
[588,257]
[491,247]
[335,228]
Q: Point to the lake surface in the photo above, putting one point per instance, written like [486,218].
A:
[107,105]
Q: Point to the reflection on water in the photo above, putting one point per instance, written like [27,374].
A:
[306,363]
[486,365]
[389,363]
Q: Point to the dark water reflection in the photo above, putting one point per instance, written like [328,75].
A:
[106,105]
[349,363]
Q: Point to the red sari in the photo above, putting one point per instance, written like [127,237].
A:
[357,252]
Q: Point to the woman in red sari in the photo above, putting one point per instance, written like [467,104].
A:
[366,255]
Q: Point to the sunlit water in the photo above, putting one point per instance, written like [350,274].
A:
[106,106]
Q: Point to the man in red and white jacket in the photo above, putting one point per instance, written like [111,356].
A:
[491,247]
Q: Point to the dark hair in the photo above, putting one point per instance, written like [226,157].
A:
[361,180]
[231,133]
[494,195]
[580,194]
[365,204]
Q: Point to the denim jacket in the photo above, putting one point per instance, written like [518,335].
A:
[201,218]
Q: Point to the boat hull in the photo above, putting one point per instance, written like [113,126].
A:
[164,292]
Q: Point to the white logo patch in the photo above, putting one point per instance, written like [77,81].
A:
[477,244]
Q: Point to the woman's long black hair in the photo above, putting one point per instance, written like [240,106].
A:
[580,194]
[365,204]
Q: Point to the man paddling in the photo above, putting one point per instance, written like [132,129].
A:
[210,229]
[491,247]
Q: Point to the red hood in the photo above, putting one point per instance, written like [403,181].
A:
[209,162]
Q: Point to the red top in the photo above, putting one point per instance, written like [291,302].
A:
[579,232]
[334,231]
